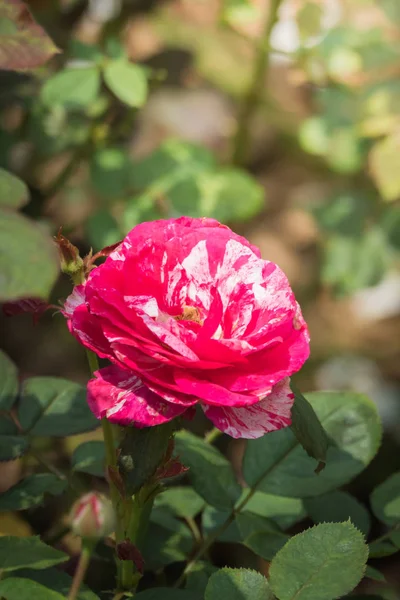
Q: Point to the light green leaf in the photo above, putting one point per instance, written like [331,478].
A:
[276,463]
[211,474]
[285,512]
[31,491]
[308,429]
[52,406]
[309,20]
[237,584]
[391,8]
[261,535]
[181,500]
[337,507]
[19,552]
[13,191]
[12,447]
[321,563]
[89,457]
[385,500]
[167,594]
[15,588]
[58,581]
[383,160]
[73,88]
[127,81]
[314,136]
[8,382]
[28,264]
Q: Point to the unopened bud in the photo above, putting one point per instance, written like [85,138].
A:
[92,516]
[70,260]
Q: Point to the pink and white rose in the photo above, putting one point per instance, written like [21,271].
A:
[188,313]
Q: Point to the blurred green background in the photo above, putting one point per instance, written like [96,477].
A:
[285,128]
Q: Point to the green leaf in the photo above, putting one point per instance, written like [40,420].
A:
[198,577]
[211,474]
[285,512]
[58,581]
[337,507]
[15,588]
[168,540]
[110,172]
[89,457]
[391,8]
[237,584]
[12,447]
[383,548]
[212,519]
[19,552]
[72,88]
[52,406]
[345,213]
[13,191]
[167,594]
[141,452]
[183,501]
[308,430]
[385,500]
[24,45]
[8,382]
[276,463]
[309,20]
[374,574]
[261,535]
[102,230]
[127,81]
[321,563]
[31,491]
[28,263]
[383,160]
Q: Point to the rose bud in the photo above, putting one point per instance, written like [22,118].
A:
[92,516]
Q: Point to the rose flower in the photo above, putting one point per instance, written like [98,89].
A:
[188,313]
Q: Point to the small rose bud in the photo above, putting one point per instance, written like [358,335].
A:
[92,516]
[70,260]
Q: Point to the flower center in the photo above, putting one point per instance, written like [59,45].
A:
[190,313]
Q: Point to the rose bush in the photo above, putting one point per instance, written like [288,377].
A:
[188,313]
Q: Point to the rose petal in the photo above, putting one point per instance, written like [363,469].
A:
[251,422]
[122,398]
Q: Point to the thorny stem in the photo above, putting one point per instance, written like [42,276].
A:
[252,98]
[111,461]
[83,564]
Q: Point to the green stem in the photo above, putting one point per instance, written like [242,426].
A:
[212,435]
[253,96]
[111,461]
[83,564]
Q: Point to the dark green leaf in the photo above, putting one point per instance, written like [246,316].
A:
[52,406]
[24,45]
[213,519]
[167,594]
[28,264]
[12,447]
[15,588]
[198,577]
[168,540]
[13,191]
[89,457]
[210,472]
[385,500]
[237,584]
[308,430]
[276,463]
[181,500]
[374,574]
[110,172]
[72,88]
[31,491]
[8,382]
[102,230]
[285,512]
[383,548]
[57,580]
[141,452]
[337,507]
[20,552]
[321,563]
[127,81]
[261,535]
